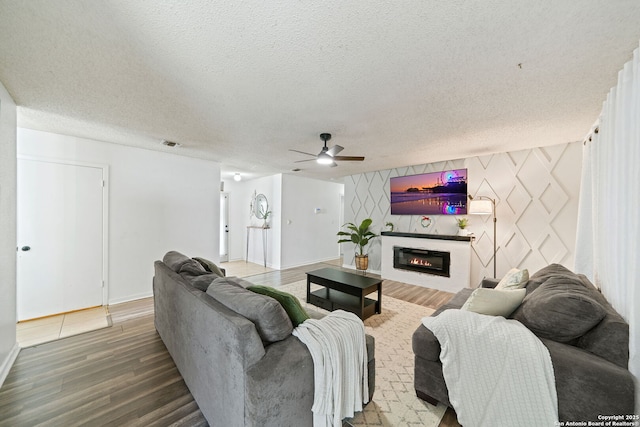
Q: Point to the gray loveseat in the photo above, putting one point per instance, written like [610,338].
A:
[240,372]
[587,339]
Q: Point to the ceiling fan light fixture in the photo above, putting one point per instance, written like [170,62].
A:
[324,159]
[328,155]
[237,177]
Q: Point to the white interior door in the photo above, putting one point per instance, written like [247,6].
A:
[224,227]
[60,238]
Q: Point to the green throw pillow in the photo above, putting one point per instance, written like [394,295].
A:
[289,302]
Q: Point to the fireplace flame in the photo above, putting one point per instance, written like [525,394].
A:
[421,262]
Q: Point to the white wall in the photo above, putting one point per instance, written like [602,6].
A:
[308,236]
[8,346]
[157,202]
[537,203]
[240,196]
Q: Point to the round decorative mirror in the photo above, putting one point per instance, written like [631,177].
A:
[261,207]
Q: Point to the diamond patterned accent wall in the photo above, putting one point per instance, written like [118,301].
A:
[536,194]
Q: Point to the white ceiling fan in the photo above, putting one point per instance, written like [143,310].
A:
[328,156]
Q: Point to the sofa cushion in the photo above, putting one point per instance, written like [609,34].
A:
[610,338]
[227,280]
[191,268]
[209,266]
[494,302]
[289,302]
[546,273]
[270,319]
[174,260]
[514,279]
[203,281]
[560,309]
[240,281]
[490,282]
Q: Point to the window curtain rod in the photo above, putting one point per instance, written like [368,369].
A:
[594,129]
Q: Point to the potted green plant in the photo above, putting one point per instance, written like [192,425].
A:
[360,235]
[462,224]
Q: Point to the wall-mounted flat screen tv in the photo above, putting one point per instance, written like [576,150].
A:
[434,193]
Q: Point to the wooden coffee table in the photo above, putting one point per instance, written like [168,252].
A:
[344,291]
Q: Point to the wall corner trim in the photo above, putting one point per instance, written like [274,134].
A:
[8,362]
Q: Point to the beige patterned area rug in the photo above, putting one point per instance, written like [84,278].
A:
[394,402]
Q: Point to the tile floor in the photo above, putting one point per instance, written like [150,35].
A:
[244,269]
[38,331]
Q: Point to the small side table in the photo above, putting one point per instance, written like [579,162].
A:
[264,241]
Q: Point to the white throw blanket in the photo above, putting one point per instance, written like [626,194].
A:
[497,371]
[338,348]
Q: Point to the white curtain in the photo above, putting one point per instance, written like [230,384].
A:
[608,242]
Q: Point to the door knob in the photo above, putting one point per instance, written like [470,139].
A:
[26,248]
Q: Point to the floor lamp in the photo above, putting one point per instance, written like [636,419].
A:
[483,205]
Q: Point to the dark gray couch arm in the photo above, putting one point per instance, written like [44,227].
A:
[279,388]
[425,344]
[589,385]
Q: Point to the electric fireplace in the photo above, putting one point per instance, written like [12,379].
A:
[422,260]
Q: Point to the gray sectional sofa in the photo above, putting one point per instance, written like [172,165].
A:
[587,339]
[241,372]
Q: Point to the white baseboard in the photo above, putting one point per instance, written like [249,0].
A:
[302,264]
[131,298]
[7,363]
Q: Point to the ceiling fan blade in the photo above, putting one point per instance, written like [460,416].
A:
[302,152]
[307,160]
[334,150]
[333,165]
[349,158]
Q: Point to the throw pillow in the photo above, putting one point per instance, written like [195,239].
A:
[514,279]
[289,302]
[494,302]
[546,273]
[209,266]
[191,268]
[561,309]
[552,270]
[270,319]
[174,260]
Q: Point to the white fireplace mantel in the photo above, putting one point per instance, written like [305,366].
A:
[459,248]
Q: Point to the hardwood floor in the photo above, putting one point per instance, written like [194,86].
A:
[117,376]
[124,375]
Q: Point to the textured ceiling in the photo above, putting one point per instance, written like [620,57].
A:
[241,82]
